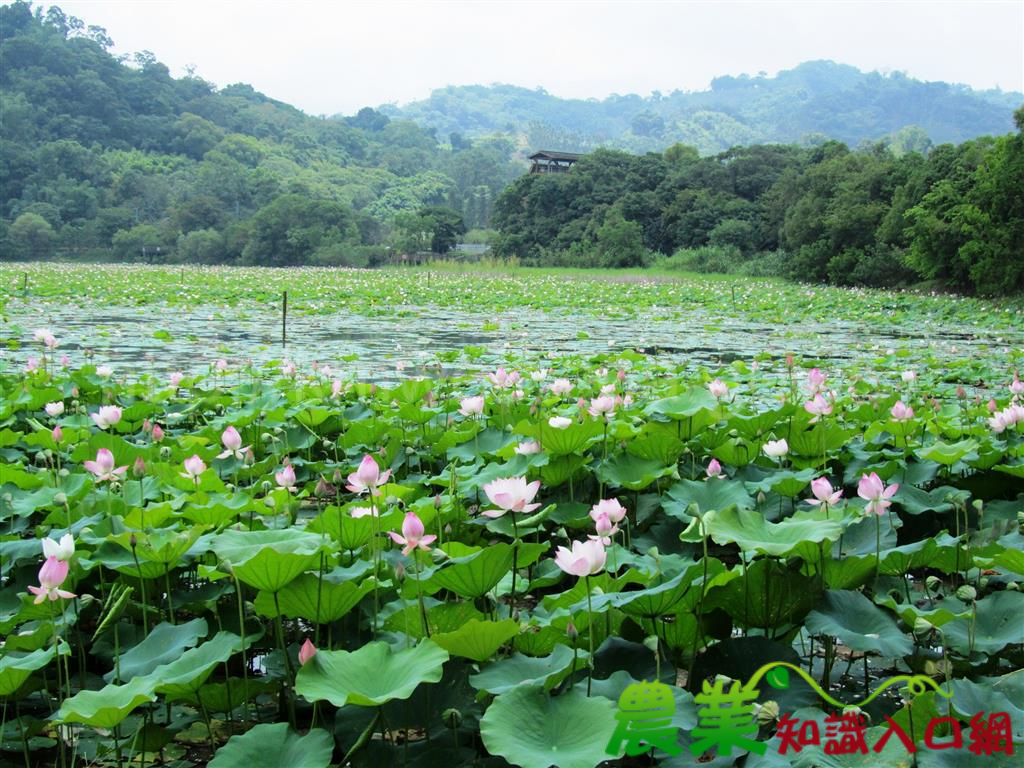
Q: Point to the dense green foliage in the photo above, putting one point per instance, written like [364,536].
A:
[816,98]
[826,213]
[113,157]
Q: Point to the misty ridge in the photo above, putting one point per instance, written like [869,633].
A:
[814,101]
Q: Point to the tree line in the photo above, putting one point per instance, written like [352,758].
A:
[878,215]
[105,157]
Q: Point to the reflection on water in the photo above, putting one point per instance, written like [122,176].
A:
[128,337]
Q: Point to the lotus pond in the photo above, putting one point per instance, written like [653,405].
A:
[456,516]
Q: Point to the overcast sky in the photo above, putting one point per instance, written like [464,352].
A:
[329,57]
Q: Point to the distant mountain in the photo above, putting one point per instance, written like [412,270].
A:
[813,101]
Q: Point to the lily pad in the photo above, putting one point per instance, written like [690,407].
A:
[859,624]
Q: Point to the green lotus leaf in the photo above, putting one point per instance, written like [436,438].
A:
[625,470]
[477,640]
[684,406]
[186,674]
[370,676]
[307,598]
[531,729]
[997,625]
[108,706]
[948,454]
[750,531]
[275,744]
[16,668]
[715,494]
[859,624]
[560,442]
[517,670]
[164,643]
[268,560]
[473,575]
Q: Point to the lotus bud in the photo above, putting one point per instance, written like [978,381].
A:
[139,467]
[452,718]
[933,583]
[337,477]
[922,626]
[132,541]
[322,488]
[571,632]
[437,501]
[967,593]
[399,572]
[760,498]
[768,713]
[60,498]
[57,434]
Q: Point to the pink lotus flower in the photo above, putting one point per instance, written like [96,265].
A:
[818,407]
[714,468]
[539,375]
[776,449]
[158,433]
[221,365]
[909,376]
[1016,386]
[358,512]
[602,406]
[471,406]
[559,422]
[45,337]
[232,445]
[610,507]
[32,364]
[107,416]
[337,387]
[528,448]
[51,576]
[194,467]
[62,550]
[412,535]
[605,530]
[718,389]
[288,369]
[104,468]
[176,378]
[876,493]
[584,559]
[560,387]
[286,478]
[54,409]
[608,389]
[824,493]
[503,379]
[815,380]
[65,361]
[306,652]
[511,494]
[367,477]
[105,371]
[901,411]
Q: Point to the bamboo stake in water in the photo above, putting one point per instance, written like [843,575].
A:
[284,318]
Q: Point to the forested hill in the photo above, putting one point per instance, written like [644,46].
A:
[113,157]
[817,99]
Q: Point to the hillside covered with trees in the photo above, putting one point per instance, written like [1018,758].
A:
[813,101]
[870,216]
[106,157]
